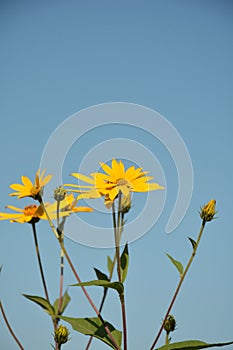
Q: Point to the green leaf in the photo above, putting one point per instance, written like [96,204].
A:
[65,301]
[94,327]
[0,268]
[113,285]
[100,275]
[42,302]
[124,263]
[177,264]
[110,264]
[194,243]
[191,345]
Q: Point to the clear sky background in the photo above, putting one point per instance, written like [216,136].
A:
[58,57]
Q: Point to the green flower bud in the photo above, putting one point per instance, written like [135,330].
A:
[170,324]
[208,211]
[61,335]
[59,194]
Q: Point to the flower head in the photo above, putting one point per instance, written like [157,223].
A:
[115,179]
[208,211]
[28,189]
[61,335]
[33,213]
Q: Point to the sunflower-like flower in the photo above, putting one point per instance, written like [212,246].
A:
[28,189]
[115,179]
[33,212]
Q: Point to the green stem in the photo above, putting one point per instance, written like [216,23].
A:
[110,276]
[41,269]
[9,327]
[39,260]
[78,278]
[182,277]
[167,339]
[117,235]
[61,264]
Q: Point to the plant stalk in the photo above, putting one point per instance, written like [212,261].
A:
[39,260]
[78,278]
[182,277]
[9,327]
[117,234]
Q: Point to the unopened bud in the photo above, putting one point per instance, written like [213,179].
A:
[170,324]
[61,335]
[59,194]
[208,211]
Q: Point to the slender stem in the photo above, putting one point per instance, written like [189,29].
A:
[61,264]
[117,235]
[41,268]
[39,260]
[78,278]
[182,277]
[167,341]
[58,346]
[110,272]
[9,327]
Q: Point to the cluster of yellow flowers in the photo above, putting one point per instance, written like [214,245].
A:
[109,184]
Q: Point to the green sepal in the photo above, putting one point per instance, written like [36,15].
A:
[42,302]
[118,286]
[124,263]
[192,345]
[100,275]
[177,264]
[193,242]
[109,264]
[94,327]
[65,301]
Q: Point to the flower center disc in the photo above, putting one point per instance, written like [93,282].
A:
[30,210]
[122,182]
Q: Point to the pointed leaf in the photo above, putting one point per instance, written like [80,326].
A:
[192,345]
[110,264]
[124,263]
[42,302]
[113,285]
[94,327]
[65,301]
[194,243]
[177,264]
[100,275]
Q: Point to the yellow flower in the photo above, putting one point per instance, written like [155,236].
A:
[28,189]
[61,335]
[34,212]
[208,211]
[115,179]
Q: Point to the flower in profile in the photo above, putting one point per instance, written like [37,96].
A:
[115,179]
[28,189]
[208,211]
[34,213]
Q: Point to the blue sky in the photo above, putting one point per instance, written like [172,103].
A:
[174,57]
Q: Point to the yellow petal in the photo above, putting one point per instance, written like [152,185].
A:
[14,208]
[26,181]
[113,193]
[83,178]
[107,169]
